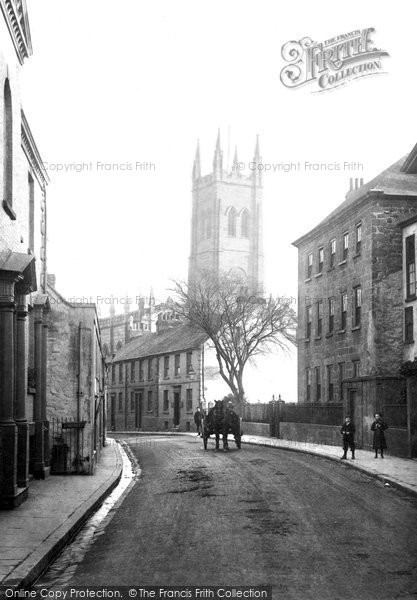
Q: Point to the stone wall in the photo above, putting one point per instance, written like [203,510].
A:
[311,434]
[262,429]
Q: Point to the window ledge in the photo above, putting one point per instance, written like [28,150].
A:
[307,340]
[342,262]
[329,335]
[357,255]
[319,274]
[330,269]
[307,280]
[9,210]
[318,337]
[411,298]
[341,331]
[356,328]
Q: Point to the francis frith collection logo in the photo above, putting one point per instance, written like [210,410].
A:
[332,63]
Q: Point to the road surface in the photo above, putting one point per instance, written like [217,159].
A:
[310,527]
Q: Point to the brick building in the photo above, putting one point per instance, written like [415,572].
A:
[23,300]
[226,227]
[350,298]
[157,380]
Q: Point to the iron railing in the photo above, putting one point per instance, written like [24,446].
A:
[67,447]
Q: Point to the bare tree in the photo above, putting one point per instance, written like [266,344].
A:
[240,326]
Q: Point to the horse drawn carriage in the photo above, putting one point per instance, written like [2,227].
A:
[220,421]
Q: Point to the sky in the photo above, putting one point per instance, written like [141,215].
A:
[117,95]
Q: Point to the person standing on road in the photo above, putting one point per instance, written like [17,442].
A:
[378,427]
[198,418]
[348,433]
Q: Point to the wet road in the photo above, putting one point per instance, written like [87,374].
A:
[311,528]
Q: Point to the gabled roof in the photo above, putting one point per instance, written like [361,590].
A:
[394,181]
[177,339]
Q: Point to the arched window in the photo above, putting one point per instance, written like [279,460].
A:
[231,222]
[244,223]
[7,146]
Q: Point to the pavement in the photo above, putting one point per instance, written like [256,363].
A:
[35,532]
[32,534]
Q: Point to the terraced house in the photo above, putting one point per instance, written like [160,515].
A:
[351,307]
[155,381]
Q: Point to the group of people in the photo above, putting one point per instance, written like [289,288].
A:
[379,442]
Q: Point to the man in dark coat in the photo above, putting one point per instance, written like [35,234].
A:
[378,427]
[348,433]
[198,418]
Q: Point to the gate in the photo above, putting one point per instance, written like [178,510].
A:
[67,447]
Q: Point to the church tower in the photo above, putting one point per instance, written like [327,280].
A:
[226,231]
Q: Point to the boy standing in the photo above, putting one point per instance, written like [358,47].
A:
[348,432]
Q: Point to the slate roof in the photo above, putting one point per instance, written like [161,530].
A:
[176,339]
[397,180]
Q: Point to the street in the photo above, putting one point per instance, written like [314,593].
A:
[309,527]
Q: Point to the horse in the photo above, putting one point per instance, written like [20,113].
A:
[221,421]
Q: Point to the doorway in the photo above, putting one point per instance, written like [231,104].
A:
[177,407]
[356,414]
[138,409]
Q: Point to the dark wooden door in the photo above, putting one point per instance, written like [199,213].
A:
[177,408]
[138,410]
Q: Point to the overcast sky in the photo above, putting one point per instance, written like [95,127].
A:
[138,82]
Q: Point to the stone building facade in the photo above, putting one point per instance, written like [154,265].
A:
[23,300]
[75,385]
[350,298]
[157,381]
[226,227]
